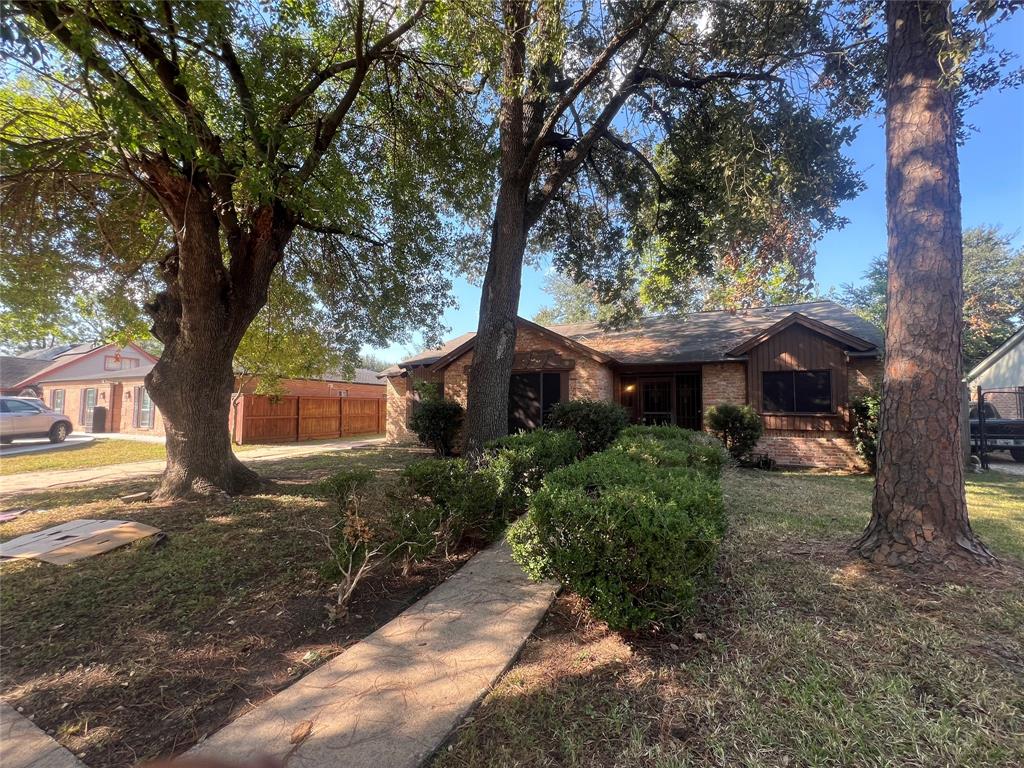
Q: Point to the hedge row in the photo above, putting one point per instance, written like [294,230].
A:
[634,529]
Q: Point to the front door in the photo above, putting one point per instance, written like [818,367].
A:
[88,406]
[688,410]
[656,401]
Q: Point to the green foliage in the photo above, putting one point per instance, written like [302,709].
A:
[465,501]
[865,427]
[993,292]
[633,529]
[436,423]
[518,463]
[673,447]
[595,422]
[737,426]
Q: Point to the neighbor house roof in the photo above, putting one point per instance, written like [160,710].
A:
[361,376]
[14,368]
[52,353]
[997,355]
[76,353]
[125,373]
[696,337]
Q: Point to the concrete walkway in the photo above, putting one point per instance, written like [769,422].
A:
[51,479]
[391,700]
[24,745]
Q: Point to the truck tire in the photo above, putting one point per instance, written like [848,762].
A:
[1018,454]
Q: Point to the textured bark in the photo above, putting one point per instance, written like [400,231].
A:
[493,351]
[919,512]
[201,317]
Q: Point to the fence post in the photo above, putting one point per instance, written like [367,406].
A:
[981,428]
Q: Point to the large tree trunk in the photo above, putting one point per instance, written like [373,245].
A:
[493,351]
[201,317]
[919,513]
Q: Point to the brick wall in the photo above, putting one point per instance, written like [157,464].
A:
[400,400]
[828,450]
[723,383]
[588,380]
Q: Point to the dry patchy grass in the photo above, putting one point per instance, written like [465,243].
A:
[139,652]
[803,655]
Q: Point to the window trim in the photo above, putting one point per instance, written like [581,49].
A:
[833,410]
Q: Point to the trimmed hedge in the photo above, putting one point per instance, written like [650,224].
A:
[865,427]
[595,422]
[518,463]
[634,529]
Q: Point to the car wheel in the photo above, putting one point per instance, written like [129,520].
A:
[1018,454]
[58,432]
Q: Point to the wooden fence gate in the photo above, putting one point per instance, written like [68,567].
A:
[267,419]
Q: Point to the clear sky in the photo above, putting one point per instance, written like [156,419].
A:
[991,184]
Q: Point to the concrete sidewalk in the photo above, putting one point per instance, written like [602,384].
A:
[392,699]
[51,479]
[24,745]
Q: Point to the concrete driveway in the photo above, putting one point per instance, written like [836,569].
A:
[43,445]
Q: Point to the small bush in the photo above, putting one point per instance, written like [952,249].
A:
[865,427]
[466,501]
[634,529]
[437,424]
[737,426]
[595,422]
[519,463]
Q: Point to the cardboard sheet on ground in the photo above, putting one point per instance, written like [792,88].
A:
[75,539]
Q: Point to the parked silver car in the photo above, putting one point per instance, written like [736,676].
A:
[28,417]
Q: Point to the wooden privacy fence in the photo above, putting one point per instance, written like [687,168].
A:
[282,419]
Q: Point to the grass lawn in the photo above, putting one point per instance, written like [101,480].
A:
[102,452]
[802,656]
[138,653]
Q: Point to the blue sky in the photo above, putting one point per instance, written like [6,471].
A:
[991,184]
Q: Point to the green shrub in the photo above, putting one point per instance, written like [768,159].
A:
[518,463]
[466,500]
[595,422]
[673,447]
[437,423]
[865,427]
[737,426]
[634,529]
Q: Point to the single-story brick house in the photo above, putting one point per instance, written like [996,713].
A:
[101,388]
[798,365]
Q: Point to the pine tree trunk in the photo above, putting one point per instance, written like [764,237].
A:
[494,348]
[919,513]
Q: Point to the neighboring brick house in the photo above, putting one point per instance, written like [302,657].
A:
[798,366]
[102,388]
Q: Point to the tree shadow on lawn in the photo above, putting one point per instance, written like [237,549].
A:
[802,654]
[139,652]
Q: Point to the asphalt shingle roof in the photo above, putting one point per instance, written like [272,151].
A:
[689,338]
[15,368]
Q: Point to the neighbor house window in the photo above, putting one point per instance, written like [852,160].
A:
[57,401]
[143,409]
[796,392]
[118,363]
[88,405]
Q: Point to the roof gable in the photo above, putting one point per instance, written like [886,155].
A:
[457,351]
[841,337]
[67,364]
[1001,351]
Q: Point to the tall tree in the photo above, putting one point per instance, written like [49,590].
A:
[919,512]
[320,130]
[699,114]
[993,292]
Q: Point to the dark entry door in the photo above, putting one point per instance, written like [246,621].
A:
[688,415]
[656,401]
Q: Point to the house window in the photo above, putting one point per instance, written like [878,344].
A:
[57,401]
[88,405]
[531,397]
[796,391]
[143,409]
[118,363]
